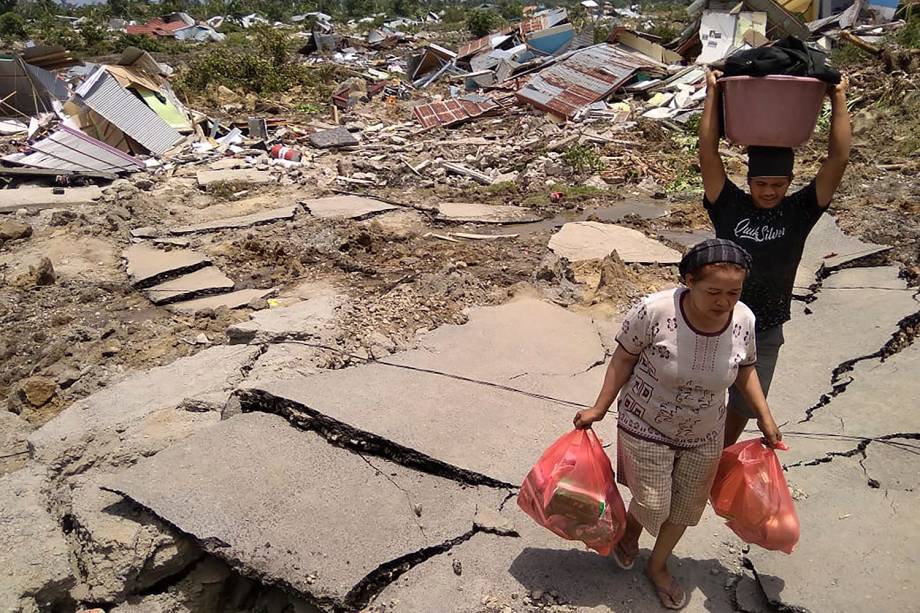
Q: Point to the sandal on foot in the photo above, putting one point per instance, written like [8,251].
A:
[615,554]
[667,595]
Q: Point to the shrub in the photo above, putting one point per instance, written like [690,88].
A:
[480,22]
[583,158]
[12,26]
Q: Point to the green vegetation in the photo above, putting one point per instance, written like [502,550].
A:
[265,66]
[846,54]
[481,22]
[583,159]
[12,26]
[909,35]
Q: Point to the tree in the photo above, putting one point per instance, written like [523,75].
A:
[12,26]
[7,5]
[481,23]
[511,9]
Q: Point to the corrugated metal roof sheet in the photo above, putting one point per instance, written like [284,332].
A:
[582,78]
[542,22]
[68,149]
[452,111]
[475,46]
[156,27]
[102,93]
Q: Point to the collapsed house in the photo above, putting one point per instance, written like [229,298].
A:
[116,112]
[180,26]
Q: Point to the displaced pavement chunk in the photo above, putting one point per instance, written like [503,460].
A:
[827,246]
[207,280]
[230,300]
[485,213]
[136,416]
[288,508]
[309,319]
[351,207]
[334,138]
[591,240]
[206,178]
[33,554]
[243,221]
[38,198]
[148,265]
[528,345]
[122,549]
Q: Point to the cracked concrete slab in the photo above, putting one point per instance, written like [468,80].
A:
[207,280]
[350,207]
[137,415]
[242,221]
[858,549]
[14,442]
[147,265]
[207,178]
[500,344]
[38,198]
[828,246]
[286,361]
[305,320]
[499,572]
[867,409]
[34,565]
[485,213]
[285,507]
[120,548]
[591,240]
[229,300]
[469,425]
[819,342]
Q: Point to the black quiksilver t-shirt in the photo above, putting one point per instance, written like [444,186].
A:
[774,238]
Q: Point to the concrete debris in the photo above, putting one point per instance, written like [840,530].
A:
[39,198]
[591,240]
[214,487]
[42,578]
[462,212]
[244,221]
[352,207]
[14,445]
[332,139]
[204,281]
[305,320]
[208,178]
[146,265]
[229,300]
[122,549]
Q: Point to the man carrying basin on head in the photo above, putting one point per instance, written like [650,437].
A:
[771,225]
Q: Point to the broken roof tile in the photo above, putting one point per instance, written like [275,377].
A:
[452,111]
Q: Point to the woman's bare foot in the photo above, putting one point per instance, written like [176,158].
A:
[670,592]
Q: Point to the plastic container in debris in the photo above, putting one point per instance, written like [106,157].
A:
[280,152]
[773,111]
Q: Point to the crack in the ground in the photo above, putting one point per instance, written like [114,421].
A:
[860,450]
[348,437]
[776,606]
[871,260]
[412,507]
[908,329]
[511,494]
[384,575]
[220,549]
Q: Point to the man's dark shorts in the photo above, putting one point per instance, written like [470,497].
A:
[768,343]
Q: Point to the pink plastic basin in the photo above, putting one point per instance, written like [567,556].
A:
[774,111]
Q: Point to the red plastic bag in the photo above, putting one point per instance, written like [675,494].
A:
[571,491]
[750,491]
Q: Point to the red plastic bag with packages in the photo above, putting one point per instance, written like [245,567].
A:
[750,491]
[571,491]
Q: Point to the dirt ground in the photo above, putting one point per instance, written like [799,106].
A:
[89,326]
